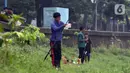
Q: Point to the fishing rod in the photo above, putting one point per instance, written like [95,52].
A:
[49,51]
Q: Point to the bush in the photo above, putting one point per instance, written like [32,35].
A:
[1,42]
[29,35]
[101,49]
[15,21]
[125,52]
[4,18]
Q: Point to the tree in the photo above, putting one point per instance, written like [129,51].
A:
[26,7]
[1,4]
[77,9]
[81,11]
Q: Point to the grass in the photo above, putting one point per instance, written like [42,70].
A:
[29,59]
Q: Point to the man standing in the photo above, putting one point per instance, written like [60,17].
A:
[55,41]
[81,44]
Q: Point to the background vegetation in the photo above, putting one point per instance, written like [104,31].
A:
[23,51]
[81,12]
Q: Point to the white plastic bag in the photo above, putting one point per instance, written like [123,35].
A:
[68,26]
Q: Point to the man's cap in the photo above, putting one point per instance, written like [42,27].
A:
[5,8]
[56,14]
[81,28]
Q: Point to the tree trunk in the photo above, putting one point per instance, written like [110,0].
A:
[85,22]
[38,11]
[128,24]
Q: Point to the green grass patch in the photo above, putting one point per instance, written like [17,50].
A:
[29,59]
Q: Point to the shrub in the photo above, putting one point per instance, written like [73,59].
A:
[4,18]
[15,21]
[101,49]
[1,42]
[29,35]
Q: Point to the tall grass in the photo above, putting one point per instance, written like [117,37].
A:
[29,59]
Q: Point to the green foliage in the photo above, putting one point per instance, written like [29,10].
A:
[27,7]
[15,21]
[76,33]
[128,41]
[6,37]
[76,8]
[18,37]
[109,11]
[32,34]
[4,17]
[1,42]
[1,28]
[29,59]
[29,35]
[105,10]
